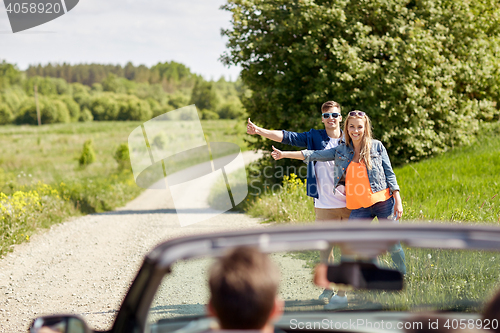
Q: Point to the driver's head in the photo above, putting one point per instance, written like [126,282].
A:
[243,290]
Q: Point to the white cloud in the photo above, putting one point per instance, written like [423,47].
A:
[118,31]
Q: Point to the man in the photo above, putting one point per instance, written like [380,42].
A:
[329,203]
[243,291]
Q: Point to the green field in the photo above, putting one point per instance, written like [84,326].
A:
[42,183]
[49,153]
[460,185]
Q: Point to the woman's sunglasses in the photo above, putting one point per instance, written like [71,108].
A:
[327,115]
[357,113]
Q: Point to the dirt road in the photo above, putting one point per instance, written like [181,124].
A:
[84,266]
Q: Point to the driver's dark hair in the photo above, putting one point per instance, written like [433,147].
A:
[327,106]
[243,288]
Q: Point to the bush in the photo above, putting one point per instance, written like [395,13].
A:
[86,116]
[231,110]
[51,111]
[122,156]
[79,88]
[72,106]
[208,115]
[204,95]
[6,115]
[83,99]
[13,98]
[178,100]
[88,154]
[133,108]
[104,107]
[97,87]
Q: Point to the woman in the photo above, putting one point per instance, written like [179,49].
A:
[363,165]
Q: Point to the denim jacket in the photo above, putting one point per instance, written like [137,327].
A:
[381,175]
[314,140]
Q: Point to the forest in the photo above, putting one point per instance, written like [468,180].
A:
[93,92]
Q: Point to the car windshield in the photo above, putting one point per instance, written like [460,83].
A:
[436,279]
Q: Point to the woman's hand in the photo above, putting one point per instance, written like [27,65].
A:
[277,154]
[398,205]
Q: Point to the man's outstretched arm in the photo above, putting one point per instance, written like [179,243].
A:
[269,134]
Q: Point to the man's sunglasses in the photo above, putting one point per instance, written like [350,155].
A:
[357,114]
[327,115]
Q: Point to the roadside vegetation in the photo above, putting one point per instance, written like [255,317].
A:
[52,172]
[461,185]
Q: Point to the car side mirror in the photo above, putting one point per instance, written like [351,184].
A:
[361,275]
[59,324]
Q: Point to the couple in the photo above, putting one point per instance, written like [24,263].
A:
[349,176]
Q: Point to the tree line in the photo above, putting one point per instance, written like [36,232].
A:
[70,93]
[167,73]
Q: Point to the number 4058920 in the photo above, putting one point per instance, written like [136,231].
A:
[33,7]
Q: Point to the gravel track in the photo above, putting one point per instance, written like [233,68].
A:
[85,265]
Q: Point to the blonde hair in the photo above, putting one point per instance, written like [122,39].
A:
[366,141]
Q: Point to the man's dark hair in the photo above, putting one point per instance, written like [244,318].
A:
[327,106]
[243,286]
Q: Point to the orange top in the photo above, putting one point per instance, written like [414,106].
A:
[358,190]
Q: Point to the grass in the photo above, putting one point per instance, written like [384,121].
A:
[439,279]
[42,182]
[460,185]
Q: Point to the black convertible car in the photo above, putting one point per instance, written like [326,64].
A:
[451,271]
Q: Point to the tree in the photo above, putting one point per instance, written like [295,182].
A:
[204,96]
[6,115]
[426,72]
[9,75]
[52,111]
[132,108]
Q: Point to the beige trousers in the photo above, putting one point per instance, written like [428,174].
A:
[332,215]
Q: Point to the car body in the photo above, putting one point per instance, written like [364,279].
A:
[170,290]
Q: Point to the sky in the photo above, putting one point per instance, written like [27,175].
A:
[118,31]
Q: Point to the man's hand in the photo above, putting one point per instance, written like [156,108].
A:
[269,134]
[252,128]
[277,154]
